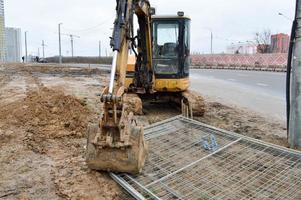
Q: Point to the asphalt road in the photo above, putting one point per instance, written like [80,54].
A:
[260,92]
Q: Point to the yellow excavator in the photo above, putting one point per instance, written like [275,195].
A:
[159,71]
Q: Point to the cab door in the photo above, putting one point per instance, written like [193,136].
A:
[171,48]
[166,35]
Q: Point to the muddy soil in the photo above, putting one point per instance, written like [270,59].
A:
[44,112]
[42,134]
[246,123]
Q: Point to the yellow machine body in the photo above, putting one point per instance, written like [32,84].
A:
[161,85]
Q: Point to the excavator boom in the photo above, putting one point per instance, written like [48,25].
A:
[117,142]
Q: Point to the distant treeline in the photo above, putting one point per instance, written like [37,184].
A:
[81,59]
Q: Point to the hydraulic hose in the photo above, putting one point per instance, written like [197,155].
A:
[289,68]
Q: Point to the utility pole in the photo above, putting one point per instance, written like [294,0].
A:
[99,49]
[60,45]
[72,36]
[72,43]
[294,136]
[211,38]
[211,43]
[26,47]
[43,46]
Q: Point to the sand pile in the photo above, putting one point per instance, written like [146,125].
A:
[52,114]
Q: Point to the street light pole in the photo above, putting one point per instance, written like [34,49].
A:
[43,45]
[211,38]
[294,136]
[99,49]
[286,17]
[72,42]
[211,43]
[72,45]
[60,45]
[26,47]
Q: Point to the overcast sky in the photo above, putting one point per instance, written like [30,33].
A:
[229,20]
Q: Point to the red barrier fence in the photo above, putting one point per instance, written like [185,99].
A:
[248,61]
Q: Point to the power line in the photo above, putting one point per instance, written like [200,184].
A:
[90,28]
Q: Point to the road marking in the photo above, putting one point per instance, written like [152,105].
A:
[231,79]
[262,84]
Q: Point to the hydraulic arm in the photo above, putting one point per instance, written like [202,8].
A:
[117,142]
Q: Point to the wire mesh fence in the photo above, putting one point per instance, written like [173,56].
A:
[254,60]
[189,160]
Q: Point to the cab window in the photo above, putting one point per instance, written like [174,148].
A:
[166,42]
[166,39]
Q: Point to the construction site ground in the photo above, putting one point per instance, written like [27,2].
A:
[44,112]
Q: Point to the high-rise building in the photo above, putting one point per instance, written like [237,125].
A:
[13,44]
[280,43]
[2,33]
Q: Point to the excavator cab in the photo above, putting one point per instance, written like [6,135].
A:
[171,54]
[171,46]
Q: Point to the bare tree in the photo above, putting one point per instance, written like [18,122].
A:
[263,41]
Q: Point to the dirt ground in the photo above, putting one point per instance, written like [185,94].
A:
[44,112]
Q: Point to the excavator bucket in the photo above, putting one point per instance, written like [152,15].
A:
[128,159]
[116,147]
